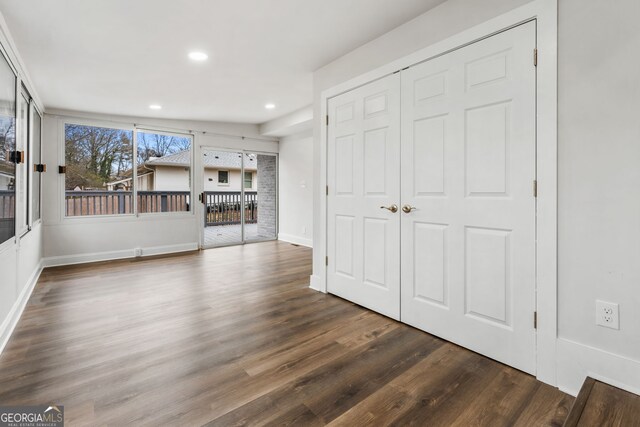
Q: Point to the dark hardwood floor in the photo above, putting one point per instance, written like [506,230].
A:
[233,336]
[602,405]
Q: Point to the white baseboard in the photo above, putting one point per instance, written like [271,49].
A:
[11,321]
[577,361]
[295,239]
[315,283]
[113,255]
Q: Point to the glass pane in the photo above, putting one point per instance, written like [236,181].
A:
[22,183]
[7,146]
[98,180]
[164,172]
[36,157]
[223,198]
[262,223]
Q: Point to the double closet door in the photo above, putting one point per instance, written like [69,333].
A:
[431,209]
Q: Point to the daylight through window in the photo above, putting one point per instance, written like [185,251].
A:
[7,148]
[99,169]
[164,172]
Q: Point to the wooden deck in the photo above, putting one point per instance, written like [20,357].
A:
[234,336]
[230,234]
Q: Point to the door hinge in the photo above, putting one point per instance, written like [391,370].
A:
[327,190]
[327,119]
[201,198]
[326,260]
[535,57]
[535,320]
[535,188]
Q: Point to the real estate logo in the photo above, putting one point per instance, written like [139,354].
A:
[32,416]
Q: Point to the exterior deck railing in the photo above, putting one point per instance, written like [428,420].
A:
[224,207]
[163,201]
[86,203]
[221,207]
[7,204]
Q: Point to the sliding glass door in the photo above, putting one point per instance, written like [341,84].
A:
[239,197]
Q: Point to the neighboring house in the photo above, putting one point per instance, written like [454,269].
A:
[7,175]
[222,172]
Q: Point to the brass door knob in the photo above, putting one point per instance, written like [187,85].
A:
[392,208]
[407,208]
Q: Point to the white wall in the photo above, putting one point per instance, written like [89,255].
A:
[599,176]
[598,185]
[172,178]
[82,239]
[20,258]
[296,189]
[235,180]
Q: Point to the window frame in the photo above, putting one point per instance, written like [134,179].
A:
[62,155]
[83,121]
[24,201]
[150,130]
[244,180]
[10,242]
[224,184]
[35,175]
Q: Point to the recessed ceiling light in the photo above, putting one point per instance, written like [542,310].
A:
[270,106]
[198,56]
[155,107]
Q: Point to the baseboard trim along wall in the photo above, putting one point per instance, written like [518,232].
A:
[113,255]
[11,321]
[295,240]
[577,361]
[315,283]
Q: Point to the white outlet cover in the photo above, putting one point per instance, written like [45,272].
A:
[607,314]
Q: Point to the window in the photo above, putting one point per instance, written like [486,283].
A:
[164,172]
[99,175]
[22,171]
[7,148]
[248,180]
[223,177]
[36,157]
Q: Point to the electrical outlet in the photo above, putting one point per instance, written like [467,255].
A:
[607,314]
[137,252]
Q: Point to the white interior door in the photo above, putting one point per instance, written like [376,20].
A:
[363,238]
[468,167]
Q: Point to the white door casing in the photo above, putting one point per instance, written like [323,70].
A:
[468,167]
[363,239]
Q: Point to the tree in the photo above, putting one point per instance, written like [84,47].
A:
[158,145]
[7,136]
[95,155]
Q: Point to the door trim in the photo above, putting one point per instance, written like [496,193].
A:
[544,12]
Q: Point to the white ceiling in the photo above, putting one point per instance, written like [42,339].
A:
[119,56]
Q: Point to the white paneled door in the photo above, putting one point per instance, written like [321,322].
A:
[468,171]
[457,258]
[363,241]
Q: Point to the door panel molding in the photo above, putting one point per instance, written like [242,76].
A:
[544,12]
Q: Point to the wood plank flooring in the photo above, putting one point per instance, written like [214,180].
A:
[234,336]
[602,405]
